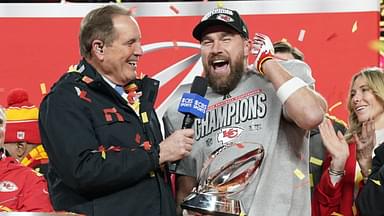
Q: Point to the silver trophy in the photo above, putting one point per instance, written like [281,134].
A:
[223,177]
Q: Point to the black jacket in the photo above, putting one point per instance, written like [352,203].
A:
[94,141]
[370,201]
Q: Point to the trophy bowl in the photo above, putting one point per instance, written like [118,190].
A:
[224,176]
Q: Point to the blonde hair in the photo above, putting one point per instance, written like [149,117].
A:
[375,82]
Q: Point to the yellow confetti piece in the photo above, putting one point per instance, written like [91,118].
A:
[43,88]
[377,45]
[72,68]
[336,214]
[354,210]
[220,4]
[118,1]
[299,174]
[315,161]
[334,106]
[103,155]
[242,214]
[152,174]
[354,27]
[376,182]
[301,35]
[144,117]
[311,180]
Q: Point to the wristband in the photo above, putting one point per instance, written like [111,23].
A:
[336,172]
[289,87]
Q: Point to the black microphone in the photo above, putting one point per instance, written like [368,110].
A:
[193,105]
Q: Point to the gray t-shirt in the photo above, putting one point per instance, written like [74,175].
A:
[252,112]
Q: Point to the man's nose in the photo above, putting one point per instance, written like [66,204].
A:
[216,47]
[138,51]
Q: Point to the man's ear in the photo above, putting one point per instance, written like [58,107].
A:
[21,148]
[98,49]
[247,47]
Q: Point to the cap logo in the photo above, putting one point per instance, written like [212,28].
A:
[224,18]
[217,11]
[20,135]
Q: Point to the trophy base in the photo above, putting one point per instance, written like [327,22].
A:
[205,203]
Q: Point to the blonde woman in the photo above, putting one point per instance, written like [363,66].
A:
[341,175]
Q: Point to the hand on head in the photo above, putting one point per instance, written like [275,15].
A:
[262,49]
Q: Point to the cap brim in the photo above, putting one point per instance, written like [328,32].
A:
[200,28]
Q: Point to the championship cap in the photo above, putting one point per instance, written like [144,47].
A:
[221,16]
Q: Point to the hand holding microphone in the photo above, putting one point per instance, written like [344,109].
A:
[192,105]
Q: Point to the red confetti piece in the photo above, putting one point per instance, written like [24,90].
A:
[332,36]
[174,9]
[147,146]
[240,145]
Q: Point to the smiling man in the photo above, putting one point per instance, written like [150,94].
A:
[100,130]
[272,104]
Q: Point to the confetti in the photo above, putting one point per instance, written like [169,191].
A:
[301,35]
[315,161]
[72,68]
[354,27]
[220,4]
[118,1]
[174,9]
[330,37]
[43,88]
[376,182]
[336,214]
[299,174]
[240,145]
[311,179]
[377,45]
[144,117]
[334,106]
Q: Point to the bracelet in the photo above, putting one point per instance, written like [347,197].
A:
[336,172]
[289,87]
[261,63]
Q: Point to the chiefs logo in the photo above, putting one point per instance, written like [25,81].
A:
[8,186]
[228,134]
[224,18]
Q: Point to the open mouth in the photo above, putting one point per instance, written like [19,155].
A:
[133,65]
[220,65]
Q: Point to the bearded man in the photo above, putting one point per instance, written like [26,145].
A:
[273,103]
